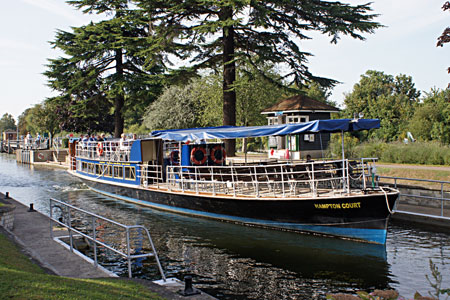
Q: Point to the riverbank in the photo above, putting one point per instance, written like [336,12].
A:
[29,255]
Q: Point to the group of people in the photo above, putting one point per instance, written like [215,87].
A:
[30,142]
[94,145]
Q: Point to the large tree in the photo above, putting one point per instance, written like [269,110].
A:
[431,119]
[391,99]
[445,36]
[103,63]
[7,122]
[213,34]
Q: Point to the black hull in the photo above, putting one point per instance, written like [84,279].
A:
[362,217]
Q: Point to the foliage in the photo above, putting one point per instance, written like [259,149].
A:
[390,99]
[445,36]
[423,153]
[7,122]
[177,107]
[254,93]
[83,115]
[42,118]
[431,120]
[199,102]
[350,146]
[262,31]
[317,92]
[22,122]
[431,153]
[22,279]
[101,73]
[213,34]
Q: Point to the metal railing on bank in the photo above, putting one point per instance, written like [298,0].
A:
[92,227]
[441,196]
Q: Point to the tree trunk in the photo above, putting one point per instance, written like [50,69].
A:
[119,99]
[229,76]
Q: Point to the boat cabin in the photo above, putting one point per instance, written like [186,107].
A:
[295,110]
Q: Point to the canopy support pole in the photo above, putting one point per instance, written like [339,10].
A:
[343,162]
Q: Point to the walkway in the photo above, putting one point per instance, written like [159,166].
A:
[32,232]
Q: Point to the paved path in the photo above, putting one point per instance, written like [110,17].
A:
[394,166]
[32,232]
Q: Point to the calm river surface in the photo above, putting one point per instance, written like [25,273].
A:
[236,262]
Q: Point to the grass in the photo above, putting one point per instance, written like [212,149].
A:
[418,173]
[20,278]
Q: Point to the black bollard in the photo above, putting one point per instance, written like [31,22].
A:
[188,289]
[31,208]
[7,195]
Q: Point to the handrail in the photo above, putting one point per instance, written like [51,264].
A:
[441,182]
[66,210]
[275,179]
[111,150]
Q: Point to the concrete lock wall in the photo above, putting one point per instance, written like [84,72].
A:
[412,192]
[7,217]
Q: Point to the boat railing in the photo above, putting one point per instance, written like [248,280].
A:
[276,180]
[113,150]
[150,174]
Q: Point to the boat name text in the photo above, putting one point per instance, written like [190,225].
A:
[338,205]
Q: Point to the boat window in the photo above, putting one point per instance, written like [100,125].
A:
[84,167]
[98,169]
[118,171]
[108,171]
[91,168]
[130,173]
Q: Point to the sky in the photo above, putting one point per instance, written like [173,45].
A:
[406,45]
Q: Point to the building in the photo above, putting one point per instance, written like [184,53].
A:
[298,109]
[9,135]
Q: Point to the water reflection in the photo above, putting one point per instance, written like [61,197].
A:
[235,262]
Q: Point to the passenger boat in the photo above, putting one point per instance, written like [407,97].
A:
[186,171]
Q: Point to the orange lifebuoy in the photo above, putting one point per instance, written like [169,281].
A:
[223,154]
[175,157]
[194,159]
[100,149]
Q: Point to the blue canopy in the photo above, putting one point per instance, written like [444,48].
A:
[233,132]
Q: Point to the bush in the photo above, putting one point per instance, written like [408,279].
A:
[424,153]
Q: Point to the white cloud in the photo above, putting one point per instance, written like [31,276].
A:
[57,7]
[9,44]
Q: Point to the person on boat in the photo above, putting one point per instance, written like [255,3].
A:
[28,140]
[308,158]
[123,147]
[38,139]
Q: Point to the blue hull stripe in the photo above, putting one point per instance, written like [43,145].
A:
[377,236]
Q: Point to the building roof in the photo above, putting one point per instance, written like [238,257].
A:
[300,103]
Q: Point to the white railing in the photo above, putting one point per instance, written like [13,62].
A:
[114,150]
[277,180]
[150,175]
[90,226]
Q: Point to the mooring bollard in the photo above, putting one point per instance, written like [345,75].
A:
[31,207]
[188,289]
[7,195]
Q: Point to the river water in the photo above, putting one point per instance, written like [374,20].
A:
[232,261]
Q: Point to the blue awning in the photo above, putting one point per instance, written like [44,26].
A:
[233,132]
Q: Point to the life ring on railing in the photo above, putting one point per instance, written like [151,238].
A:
[100,149]
[218,154]
[41,155]
[195,153]
[175,157]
